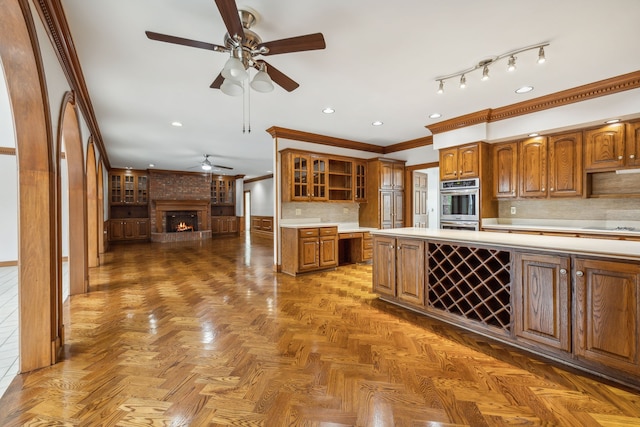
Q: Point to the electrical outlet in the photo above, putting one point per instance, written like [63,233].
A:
[513,210]
[298,211]
[345,210]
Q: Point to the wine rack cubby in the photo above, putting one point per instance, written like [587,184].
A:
[471,282]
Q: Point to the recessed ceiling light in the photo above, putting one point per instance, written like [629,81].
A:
[534,134]
[176,124]
[328,110]
[151,165]
[377,123]
[269,171]
[609,122]
[524,89]
[435,116]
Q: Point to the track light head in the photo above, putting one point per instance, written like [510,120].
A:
[441,87]
[541,58]
[485,73]
[463,82]
[511,66]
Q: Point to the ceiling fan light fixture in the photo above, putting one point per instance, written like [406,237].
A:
[262,81]
[234,69]
[206,164]
[231,87]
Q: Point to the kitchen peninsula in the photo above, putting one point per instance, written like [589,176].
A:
[573,300]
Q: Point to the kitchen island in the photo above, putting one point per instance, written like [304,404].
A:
[573,300]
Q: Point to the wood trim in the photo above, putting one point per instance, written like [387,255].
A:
[7,151]
[407,145]
[52,15]
[258,178]
[278,132]
[8,263]
[577,94]
[422,166]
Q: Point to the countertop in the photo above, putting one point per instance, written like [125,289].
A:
[619,249]
[342,227]
[611,228]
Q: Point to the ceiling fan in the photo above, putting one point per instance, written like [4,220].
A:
[244,46]
[207,166]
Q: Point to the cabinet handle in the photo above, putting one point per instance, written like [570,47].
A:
[542,188]
[619,157]
[579,273]
[632,156]
[563,271]
[391,246]
[551,189]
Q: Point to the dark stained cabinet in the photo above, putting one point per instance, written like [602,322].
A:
[633,145]
[129,229]
[541,300]
[533,167]
[384,265]
[505,170]
[309,249]
[385,195]
[565,171]
[608,313]
[604,148]
[460,162]
[410,270]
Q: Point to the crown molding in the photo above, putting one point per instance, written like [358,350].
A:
[54,20]
[258,178]
[581,93]
[407,145]
[278,132]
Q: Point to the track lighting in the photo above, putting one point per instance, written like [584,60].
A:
[484,65]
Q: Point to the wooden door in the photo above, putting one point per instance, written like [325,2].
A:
[633,144]
[397,215]
[328,251]
[541,300]
[565,165]
[607,313]
[410,271]
[533,167]
[384,267]
[420,191]
[604,148]
[308,253]
[448,164]
[505,170]
[468,162]
[386,209]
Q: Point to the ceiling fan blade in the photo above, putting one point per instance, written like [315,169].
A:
[217,82]
[184,42]
[294,44]
[279,77]
[229,12]
[223,167]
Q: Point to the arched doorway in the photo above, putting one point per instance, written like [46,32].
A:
[37,279]
[101,231]
[92,208]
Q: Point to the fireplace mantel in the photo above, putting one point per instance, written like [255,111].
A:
[201,206]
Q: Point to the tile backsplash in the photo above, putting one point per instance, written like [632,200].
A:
[619,209]
[346,212]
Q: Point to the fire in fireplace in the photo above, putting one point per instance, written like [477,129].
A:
[179,221]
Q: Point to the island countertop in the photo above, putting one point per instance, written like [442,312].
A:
[618,249]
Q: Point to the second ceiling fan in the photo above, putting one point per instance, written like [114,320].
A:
[244,46]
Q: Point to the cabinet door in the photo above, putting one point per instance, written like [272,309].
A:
[468,162]
[130,229]
[116,229]
[604,148]
[141,189]
[398,176]
[141,230]
[386,209]
[607,313]
[449,164]
[384,266]
[216,225]
[129,193]
[533,167]
[505,170]
[233,224]
[115,188]
[398,209]
[541,301]
[328,251]
[633,144]
[319,179]
[565,165]
[360,180]
[299,177]
[386,175]
[410,271]
[308,253]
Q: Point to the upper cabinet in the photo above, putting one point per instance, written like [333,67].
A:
[391,175]
[565,165]
[605,148]
[128,187]
[533,167]
[223,190]
[310,177]
[385,194]
[505,170]
[633,144]
[460,162]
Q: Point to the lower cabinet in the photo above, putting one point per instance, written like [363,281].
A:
[309,249]
[398,270]
[128,229]
[224,224]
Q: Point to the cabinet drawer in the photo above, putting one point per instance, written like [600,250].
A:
[367,254]
[328,231]
[308,232]
[367,244]
[350,235]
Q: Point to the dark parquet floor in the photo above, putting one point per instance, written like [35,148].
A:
[205,334]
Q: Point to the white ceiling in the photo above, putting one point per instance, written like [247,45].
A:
[380,63]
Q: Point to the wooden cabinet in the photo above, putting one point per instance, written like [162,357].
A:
[223,190]
[129,229]
[305,177]
[386,187]
[367,246]
[309,249]
[505,170]
[460,162]
[224,224]
[604,148]
[384,265]
[340,177]
[565,171]
[128,187]
[533,167]
[607,313]
[541,300]
[633,145]
[360,178]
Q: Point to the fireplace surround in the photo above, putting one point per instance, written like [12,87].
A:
[198,210]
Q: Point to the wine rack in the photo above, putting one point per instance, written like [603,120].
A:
[470,282]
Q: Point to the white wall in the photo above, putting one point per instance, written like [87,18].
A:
[8,178]
[262,197]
